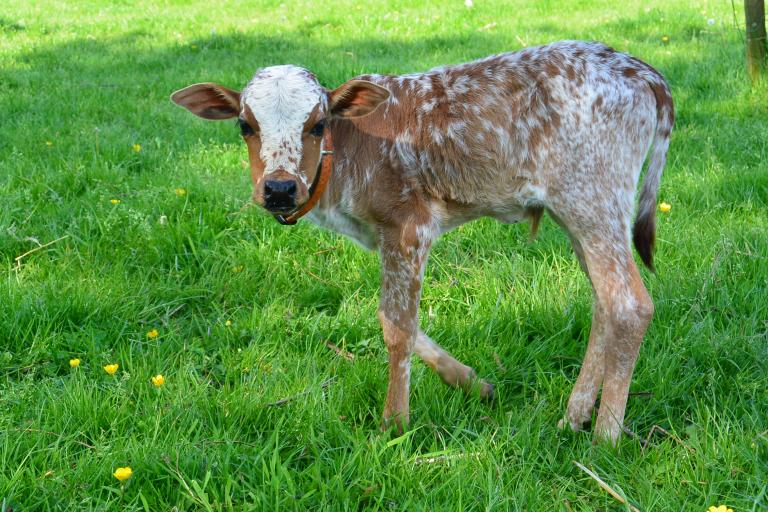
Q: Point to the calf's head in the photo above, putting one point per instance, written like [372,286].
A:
[282,114]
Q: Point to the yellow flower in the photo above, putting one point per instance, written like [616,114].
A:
[111,368]
[237,269]
[74,363]
[48,143]
[152,334]
[114,201]
[158,380]
[136,148]
[665,39]
[665,207]
[228,323]
[720,508]
[123,474]
[181,192]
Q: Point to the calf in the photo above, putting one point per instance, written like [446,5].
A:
[563,128]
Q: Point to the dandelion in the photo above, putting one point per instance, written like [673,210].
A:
[237,269]
[158,380]
[710,22]
[228,323]
[111,368]
[180,192]
[136,148]
[720,508]
[74,363]
[163,220]
[665,39]
[123,474]
[468,4]
[114,201]
[152,334]
[48,143]
[665,207]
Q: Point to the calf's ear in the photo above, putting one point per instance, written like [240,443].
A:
[357,98]
[209,101]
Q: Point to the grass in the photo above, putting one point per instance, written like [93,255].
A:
[80,88]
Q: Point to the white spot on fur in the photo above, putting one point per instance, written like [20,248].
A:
[427,106]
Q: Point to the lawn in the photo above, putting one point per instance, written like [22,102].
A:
[124,217]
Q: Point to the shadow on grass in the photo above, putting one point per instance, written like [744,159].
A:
[121,85]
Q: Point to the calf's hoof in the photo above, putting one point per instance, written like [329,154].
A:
[574,425]
[607,431]
[487,391]
[394,423]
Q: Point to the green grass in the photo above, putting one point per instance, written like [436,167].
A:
[82,82]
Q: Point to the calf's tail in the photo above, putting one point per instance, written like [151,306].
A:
[644,230]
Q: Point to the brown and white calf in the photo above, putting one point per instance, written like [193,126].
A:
[563,128]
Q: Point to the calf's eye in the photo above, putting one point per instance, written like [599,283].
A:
[317,130]
[245,128]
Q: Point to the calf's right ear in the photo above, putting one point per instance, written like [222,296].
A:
[209,101]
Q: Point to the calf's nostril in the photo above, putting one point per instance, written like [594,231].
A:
[280,194]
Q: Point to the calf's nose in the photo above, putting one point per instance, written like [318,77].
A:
[279,195]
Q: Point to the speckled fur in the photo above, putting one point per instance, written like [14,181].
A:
[563,128]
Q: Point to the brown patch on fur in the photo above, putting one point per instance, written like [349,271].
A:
[597,104]
[251,119]
[629,72]
[551,69]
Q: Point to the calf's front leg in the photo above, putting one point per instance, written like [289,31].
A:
[404,252]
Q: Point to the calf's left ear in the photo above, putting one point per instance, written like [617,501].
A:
[209,101]
[357,98]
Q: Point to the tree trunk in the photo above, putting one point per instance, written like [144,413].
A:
[754,11]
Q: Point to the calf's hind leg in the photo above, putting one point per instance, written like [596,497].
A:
[584,394]
[453,372]
[623,310]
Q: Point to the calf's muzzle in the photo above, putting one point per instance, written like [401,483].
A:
[280,195]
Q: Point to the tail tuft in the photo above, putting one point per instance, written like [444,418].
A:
[644,238]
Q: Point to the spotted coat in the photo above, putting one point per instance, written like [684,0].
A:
[563,128]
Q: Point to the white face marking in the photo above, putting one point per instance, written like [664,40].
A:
[281,99]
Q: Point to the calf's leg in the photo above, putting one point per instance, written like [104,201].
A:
[627,310]
[453,372]
[404,252]
[584,394]
[622,310]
